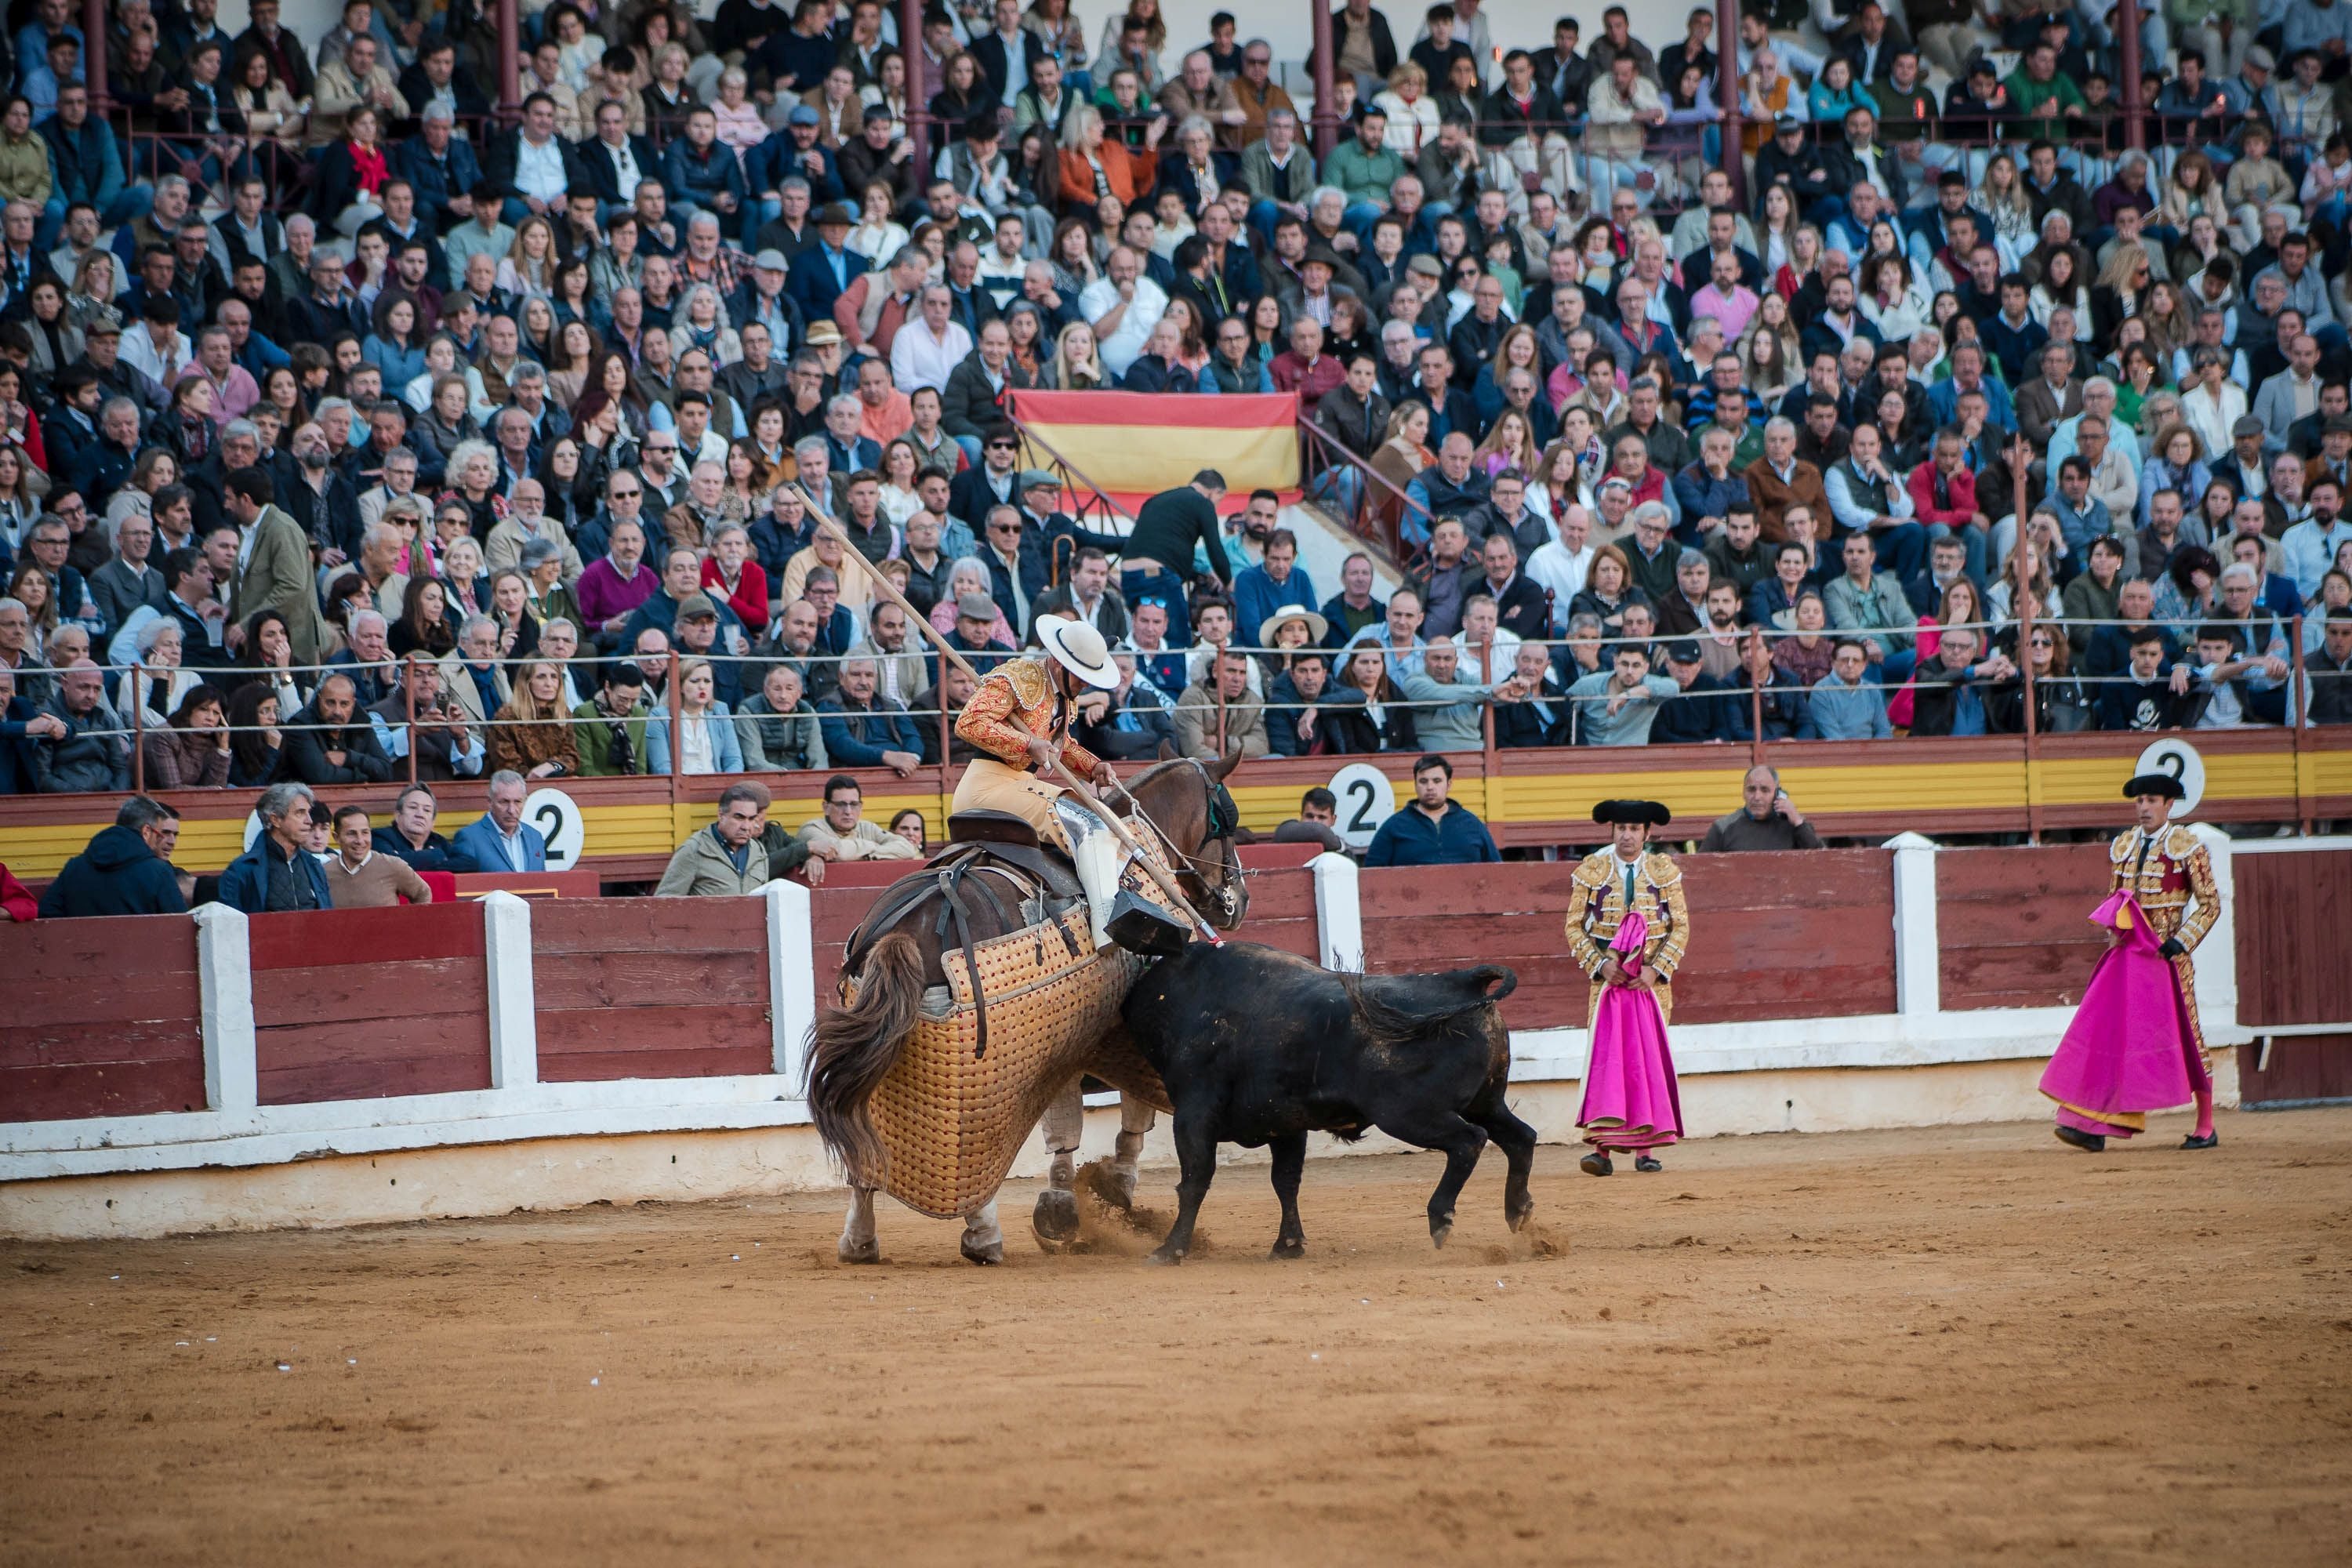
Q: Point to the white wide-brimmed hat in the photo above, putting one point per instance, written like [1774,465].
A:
[1316,626]
[1079,648]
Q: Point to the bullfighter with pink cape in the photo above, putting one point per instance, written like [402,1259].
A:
[1627,928]
[2135,1045]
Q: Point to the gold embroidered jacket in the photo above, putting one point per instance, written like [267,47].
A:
[1019,689]
[2172,877]
[1596,909]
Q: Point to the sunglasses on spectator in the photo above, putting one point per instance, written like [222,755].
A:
[1003,528]
[625,495]
[1002,446]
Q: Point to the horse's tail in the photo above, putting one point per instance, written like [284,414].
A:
[852,1049]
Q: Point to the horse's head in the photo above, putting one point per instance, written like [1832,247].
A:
[1187,799]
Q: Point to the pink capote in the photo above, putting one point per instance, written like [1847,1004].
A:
[1630,1097]
[2128,1050]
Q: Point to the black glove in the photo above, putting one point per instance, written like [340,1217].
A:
[2172,948]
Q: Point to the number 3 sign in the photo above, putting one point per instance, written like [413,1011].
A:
[1367,799]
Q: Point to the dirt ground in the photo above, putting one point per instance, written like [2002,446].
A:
[1954,1346]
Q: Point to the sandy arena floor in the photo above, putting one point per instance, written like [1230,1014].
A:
[1954,1346]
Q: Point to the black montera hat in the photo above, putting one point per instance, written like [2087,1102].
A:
[2164,785]
[1648,812]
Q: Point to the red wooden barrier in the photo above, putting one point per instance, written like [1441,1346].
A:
[2015,924]
[1774,936]
[361,1004]
[651,989]
[100,1018]
[2293,910]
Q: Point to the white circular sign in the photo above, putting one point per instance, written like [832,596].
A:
[252,827]
[557,818]
[2179,758]
[1367,799]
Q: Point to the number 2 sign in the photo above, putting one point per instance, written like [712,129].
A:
[1367,799]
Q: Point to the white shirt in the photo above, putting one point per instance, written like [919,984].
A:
[919,359]
[138,351]
[539,170]
[1120,349]
[625,163]
[512,845]
[1555,566]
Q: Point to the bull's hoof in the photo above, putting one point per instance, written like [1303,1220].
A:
[1164,1256]
[867,1251]
[1056,1220]
[1515,1214]
[1441,1227]
[986,1256]
[1289,1246]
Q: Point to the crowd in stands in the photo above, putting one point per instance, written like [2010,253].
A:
[352,437]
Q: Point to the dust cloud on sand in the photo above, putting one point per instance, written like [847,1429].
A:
[1959,1345]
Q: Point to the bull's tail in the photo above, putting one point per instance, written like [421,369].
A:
[851,1049]
[1386,1023]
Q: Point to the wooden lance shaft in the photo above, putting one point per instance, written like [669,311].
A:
[1077,788]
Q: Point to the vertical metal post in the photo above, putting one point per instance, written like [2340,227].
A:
[2298,697]
[138,727]
[2127,66]
[1755,720]
[1490,767]
[509,61]
[1727,87]
[2019,600]
[676,702]
[1326,66]
[910,47]
[94,21]
[408,699]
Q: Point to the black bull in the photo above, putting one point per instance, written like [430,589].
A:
[1259,1047]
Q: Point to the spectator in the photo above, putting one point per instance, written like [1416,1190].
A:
[329,743]
[126,869]
[1433,830]
[1618,707]
[410,835]
[500,840]
[1701,708]
[609,729]
[2328,671]
[704,739]
[278,874]
[362,878]
[777,728]
[1767,818]
[842,833]
[1844,705]
[532,735]
[1954,693]
[728,859]
[1872,605]
[192,751]
[90,751]
[864,729]
[1219,715]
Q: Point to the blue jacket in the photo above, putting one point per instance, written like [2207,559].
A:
[455,173]
[246,884]
[1410,838]
[775,160]
[1256,597]
[478,841]
[85,165]
[117,875]
[812,284]
[858,739]
[692,179]
[726,748]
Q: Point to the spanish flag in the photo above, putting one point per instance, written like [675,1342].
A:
[1136,444]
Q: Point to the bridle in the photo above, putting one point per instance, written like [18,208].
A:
[1224,821]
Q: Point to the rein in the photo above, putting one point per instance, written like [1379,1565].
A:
[1224,819]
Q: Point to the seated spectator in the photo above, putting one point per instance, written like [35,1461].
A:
[90,751]
[609,729]
[2231,686]
[362,878]
[410,835]
[1956,692]
[1220,718]
[863,729]
[1767,819]
[1433,830]
[1618,707]
[1844,704]
[532,735]
[778,729]
[192,751]
[278,874]
[842,834]
[126,869]
[1318,822]
[327,743]
[1701,709]
[1294,710]
[705,742]
[1365,710]
[415,717]
[1539,717]
[1872,605]
[1448,705]
[473,678]
[727,857]
[1131,721]
[954,690]
[500,840]
[2328,670]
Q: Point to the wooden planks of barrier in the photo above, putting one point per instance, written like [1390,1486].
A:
[2014,925]
[100,1018]
[363,1003]
[651,989]
[2293,910]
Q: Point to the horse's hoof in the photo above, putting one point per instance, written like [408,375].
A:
[1440,1229]
[1289,1246]
[1056,1217]
[1516,1215]
[1163,1257]
[867,1251]
[986,1256]
[1118,1189]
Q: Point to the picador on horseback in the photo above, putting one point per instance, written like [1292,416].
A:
[978,990]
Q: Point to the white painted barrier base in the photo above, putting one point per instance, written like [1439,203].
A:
[539,1172]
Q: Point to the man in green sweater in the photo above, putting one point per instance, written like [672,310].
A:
[1364,169]
[2045,97]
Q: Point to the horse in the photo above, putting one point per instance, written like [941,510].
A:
[852,1048]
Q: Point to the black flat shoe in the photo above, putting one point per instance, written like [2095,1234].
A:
[2089,1142]
[1596,1163]
[1646,1165]
[2210,1141]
